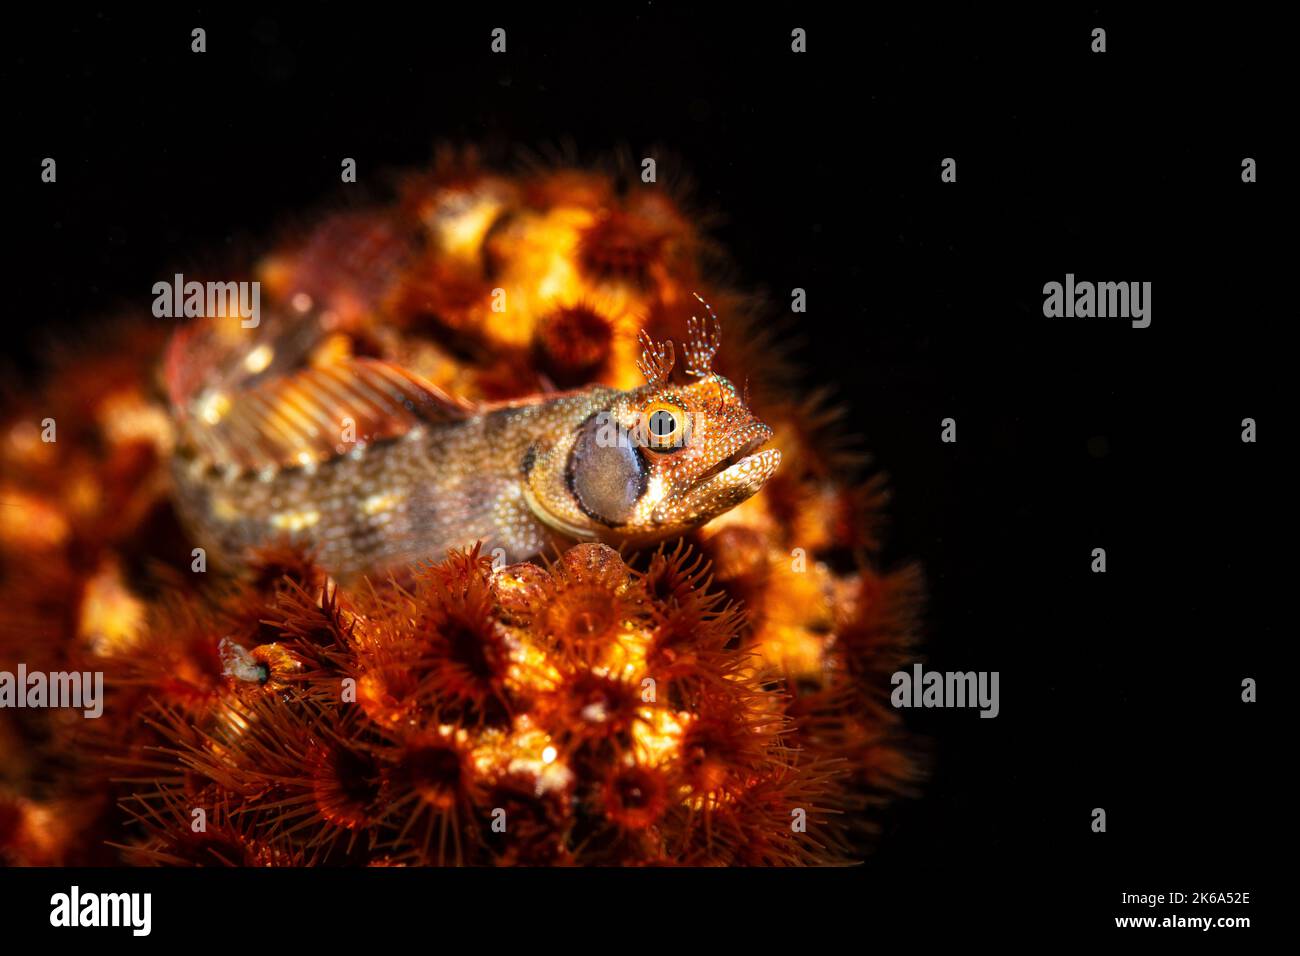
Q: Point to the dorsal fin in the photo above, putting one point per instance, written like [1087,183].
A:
[210,354]
[315,414]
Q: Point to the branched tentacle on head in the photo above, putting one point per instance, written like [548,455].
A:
[657,359]
[703,340]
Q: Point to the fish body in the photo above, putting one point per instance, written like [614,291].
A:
[369,468]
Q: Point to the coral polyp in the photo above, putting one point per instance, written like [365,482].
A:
[598,767]
[548,691]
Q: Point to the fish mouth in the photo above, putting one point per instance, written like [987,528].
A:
[736,476]
[740,455]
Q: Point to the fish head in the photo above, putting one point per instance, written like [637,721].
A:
[656,461]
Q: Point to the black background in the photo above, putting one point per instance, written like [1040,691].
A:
[1120,690]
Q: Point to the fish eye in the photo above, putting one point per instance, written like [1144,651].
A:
[663,424]
[665,427]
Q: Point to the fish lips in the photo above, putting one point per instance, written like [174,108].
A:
[736,477]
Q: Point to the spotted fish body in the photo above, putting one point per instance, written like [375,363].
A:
[393,501]
[369,468]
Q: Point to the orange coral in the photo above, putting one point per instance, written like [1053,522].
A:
[599,766]
[721,700]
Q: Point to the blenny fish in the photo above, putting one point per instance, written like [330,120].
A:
[368,467]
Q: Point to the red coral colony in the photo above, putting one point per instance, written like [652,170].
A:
[717,700]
